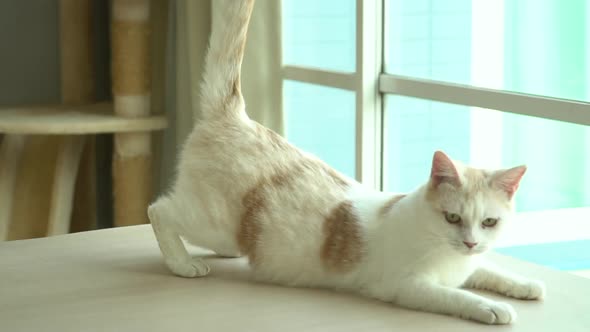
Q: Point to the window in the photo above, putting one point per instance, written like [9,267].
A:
[557,165]
[537,47]
[495,83]
[319,34]
[309,109]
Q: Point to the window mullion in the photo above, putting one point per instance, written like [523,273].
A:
[572,111]
[318,76]
[369,134]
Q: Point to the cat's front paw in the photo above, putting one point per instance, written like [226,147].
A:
[533,290]
[188,269]
[530,290]
[491,312]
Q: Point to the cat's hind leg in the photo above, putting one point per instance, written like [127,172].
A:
[175,255]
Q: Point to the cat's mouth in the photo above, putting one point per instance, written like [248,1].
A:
[462,249]
[472,252]
[475,251]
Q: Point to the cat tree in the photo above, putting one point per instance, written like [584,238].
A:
[78,118]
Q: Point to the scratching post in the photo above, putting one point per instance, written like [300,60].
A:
[23,199]
[131,71]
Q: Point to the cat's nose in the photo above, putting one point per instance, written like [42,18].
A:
[470,244]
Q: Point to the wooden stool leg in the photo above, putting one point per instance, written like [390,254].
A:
[62,196]
[10,156]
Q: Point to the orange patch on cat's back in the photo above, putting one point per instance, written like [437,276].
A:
[291,166]
[389,204]
[255,204]
[249,228]
[343,243]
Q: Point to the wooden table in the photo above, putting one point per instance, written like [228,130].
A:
[114,280]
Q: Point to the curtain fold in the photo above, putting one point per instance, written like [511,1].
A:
[261,70]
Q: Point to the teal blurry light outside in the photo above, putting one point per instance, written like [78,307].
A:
[540,47]
[319,34]
[548,52]
[429,39]
[321,120]
[545,43]
[415,128]
[544,50]
[426,39]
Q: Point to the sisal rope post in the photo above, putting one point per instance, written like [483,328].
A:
[131,73]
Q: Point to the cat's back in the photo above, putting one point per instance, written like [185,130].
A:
[237,158]
[278,199]
[227,148]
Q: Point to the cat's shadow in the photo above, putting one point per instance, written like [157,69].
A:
[231,269]
[221,267]
[224,269]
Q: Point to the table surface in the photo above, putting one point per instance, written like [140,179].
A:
[115,280]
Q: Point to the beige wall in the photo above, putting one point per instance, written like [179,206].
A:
[29,60]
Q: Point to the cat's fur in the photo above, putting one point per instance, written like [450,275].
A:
[241,189]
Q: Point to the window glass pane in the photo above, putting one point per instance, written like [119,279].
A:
[321,120]
[531,46]
[555,152]
[319,33]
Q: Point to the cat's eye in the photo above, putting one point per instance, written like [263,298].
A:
[452,218]
[490,222]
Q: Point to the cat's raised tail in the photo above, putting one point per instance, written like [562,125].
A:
[221,94]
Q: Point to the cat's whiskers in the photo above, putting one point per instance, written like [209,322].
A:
[433,235]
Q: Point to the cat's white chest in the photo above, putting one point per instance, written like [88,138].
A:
[455,272]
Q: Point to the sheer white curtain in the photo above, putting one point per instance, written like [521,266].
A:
[189,25]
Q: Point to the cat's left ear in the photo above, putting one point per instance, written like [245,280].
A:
[509,179]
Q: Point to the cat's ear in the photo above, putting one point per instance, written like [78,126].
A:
[443,170]
[509,179]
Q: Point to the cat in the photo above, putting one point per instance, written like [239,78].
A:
[243,190]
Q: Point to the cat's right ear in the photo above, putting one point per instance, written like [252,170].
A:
[443,170]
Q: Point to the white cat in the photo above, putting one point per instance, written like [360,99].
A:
[241,189]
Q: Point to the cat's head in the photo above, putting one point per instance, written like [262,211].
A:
[471,206]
